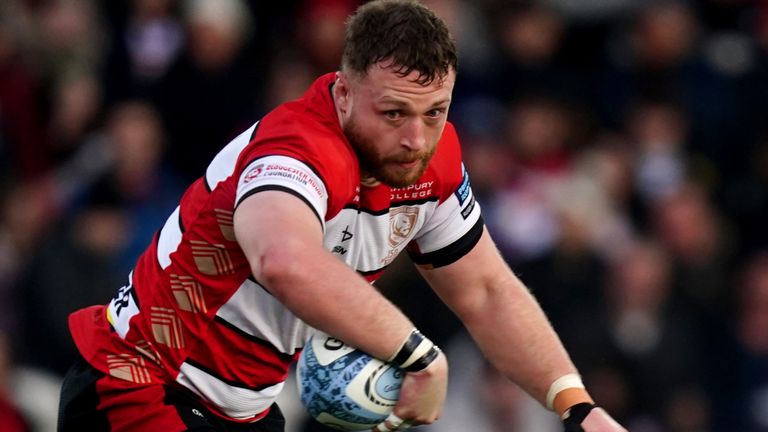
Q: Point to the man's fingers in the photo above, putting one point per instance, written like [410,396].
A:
[392,423]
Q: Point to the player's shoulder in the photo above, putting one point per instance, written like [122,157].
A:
[308,132]
[311,139]
[307,126]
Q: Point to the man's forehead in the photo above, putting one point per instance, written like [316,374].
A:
[386,81]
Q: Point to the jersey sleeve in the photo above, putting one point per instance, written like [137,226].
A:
[287,174]
[452,231]
[296,154]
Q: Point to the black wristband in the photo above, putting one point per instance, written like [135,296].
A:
[575,415]
[413,341]
[415,344]
[422,362]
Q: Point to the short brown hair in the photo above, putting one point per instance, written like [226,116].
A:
[403,31]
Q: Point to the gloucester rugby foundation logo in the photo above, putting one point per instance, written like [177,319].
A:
[401,223]
[253,173]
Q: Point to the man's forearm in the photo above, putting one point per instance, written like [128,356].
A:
[327,295]
[280,237]
[515,335]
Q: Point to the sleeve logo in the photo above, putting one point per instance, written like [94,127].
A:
[462,192]
[253,173]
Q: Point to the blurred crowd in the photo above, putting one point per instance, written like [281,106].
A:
[618,148]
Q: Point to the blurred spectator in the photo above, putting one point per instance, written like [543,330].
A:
[644,336]
[594,10]
[75,110]
[520,214]
[22,221]
[661,57]
[467,24]
[10,417]
[218,76]
[745,198]
[144,45]
[608,162]
[751,323]
[700,249]
[490,161]
[529,61]
[658,133]
[737,356]
[66,37]
[122,209]
[23,149]
[570,276]
[56,284]
[320,31]
[139,182]
[289,77]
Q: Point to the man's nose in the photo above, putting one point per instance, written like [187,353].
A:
[414,137]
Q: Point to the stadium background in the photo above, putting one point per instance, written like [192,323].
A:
[619,149]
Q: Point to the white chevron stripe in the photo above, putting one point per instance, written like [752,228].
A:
[254,311]
[169,240]
[236,402]
[223,165]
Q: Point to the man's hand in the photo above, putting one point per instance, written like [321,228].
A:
[421,397]
[586,417]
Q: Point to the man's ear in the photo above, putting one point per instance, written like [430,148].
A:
[341,92]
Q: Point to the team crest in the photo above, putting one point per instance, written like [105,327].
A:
[401,223]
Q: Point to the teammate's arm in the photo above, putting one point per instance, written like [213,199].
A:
[282,240]
[511,329]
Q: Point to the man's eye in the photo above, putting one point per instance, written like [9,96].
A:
[437,112]
[393,115]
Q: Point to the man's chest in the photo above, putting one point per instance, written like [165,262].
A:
[373,229]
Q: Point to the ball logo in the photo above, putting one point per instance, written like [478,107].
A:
[333,344]
[383,391]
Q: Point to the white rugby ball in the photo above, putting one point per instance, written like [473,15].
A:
[345,388]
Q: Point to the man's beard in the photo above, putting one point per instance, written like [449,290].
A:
[386,170]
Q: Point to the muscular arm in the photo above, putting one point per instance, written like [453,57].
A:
[282,240]
[503,318]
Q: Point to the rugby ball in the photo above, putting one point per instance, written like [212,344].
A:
[345,388]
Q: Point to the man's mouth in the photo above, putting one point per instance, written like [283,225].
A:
[408,164]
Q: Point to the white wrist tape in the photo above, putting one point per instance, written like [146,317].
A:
[560,384]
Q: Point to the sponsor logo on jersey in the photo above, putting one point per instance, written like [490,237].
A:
[296,172]
[414,191]
[462,192]
[253,173]
[466,211]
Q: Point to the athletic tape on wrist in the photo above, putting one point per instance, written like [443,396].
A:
[416,353]
[406,349]
[560,384]
[422,362]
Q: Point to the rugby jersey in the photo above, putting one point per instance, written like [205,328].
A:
[191,312]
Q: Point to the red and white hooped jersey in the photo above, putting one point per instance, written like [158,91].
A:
[192,313]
